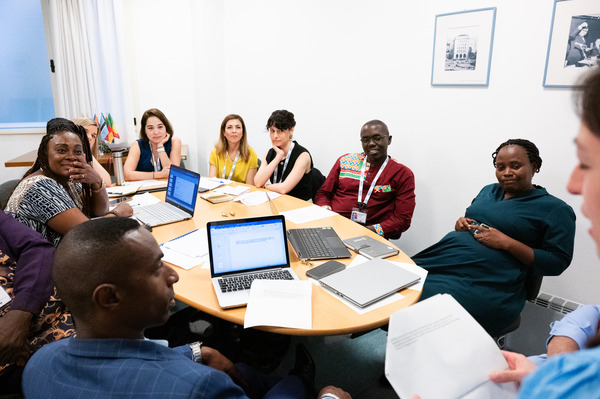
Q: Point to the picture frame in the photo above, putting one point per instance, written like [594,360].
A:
[462,48]
[574,43]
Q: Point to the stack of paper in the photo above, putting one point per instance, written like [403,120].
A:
[281,303]
[188,250]
[436,349]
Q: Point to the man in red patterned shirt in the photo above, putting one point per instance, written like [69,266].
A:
[371,188]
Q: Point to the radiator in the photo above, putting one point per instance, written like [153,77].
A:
[530,338]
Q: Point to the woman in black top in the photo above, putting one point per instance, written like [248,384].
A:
[286,167]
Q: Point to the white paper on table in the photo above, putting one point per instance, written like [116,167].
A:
[386,301]
[253,198]
[143,199]
[182,260]
[436,349]
[210,183]
[307,214]
[148,183]
[193,244]
[128,188]
[281,303]
[237,190]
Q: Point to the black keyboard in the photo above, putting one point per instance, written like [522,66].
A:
[314,244]
[243,282]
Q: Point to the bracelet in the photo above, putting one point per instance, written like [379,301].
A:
[102,187]
[160,149]
[196,348]
[329,396]
[113,212]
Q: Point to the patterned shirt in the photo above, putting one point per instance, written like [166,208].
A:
[392,202]
[38,199]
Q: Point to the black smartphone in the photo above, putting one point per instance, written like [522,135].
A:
[326,269]
[115,201]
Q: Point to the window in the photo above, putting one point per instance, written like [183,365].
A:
[26,100]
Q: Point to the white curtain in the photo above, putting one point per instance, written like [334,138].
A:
[87,46]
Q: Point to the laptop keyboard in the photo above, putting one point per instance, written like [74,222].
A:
[243,282]
[156,214]
[314,244]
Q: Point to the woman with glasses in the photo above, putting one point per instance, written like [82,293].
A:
[286,167]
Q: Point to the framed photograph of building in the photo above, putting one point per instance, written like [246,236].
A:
[574,44]
[462,48]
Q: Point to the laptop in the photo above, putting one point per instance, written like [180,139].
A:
[242,250]
[317,243]
[369,282]
[180,200]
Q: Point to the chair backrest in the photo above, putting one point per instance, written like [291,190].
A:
[6,189]
[532,285]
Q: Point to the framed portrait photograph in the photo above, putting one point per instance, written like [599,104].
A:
[574,44]
[462,48]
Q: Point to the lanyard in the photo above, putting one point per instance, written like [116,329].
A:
[156,163]
[232,166]
[362,175]
[285,164]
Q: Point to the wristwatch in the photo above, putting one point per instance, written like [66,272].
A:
[160,149]
[196,348]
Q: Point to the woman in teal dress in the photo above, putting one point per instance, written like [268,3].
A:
[511,227]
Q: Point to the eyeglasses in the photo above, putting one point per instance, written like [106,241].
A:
[377,139]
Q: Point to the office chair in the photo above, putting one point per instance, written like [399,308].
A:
[533,283]
[6,190]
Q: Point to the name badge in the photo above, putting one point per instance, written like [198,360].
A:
[358,216]
[4,297]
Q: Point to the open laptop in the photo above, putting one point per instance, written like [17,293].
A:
[180,200]
[242,250]
[369,282]
[317,243]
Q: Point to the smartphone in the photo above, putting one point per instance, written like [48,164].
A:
[115,201]
[326,269]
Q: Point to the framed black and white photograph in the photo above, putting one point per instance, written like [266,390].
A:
[462,48]
[574,44]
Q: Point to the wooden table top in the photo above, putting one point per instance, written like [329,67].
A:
[330,316]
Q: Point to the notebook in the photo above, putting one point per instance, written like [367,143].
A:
[242,250]
[180,200]
[369,282]
[317,243]
[370,247]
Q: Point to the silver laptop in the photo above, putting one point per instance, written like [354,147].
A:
[369,282]
[180,200]
[317,243]
[242,250]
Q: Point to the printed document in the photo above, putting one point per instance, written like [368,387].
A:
[436,349]
[281,303]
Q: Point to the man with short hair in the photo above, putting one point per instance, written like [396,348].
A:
[110,273]
[371,188]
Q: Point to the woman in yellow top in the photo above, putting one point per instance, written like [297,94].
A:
[232,158]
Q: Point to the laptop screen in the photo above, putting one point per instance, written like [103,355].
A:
[247,244]
[182,188]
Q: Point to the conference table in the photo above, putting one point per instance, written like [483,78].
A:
[329,315]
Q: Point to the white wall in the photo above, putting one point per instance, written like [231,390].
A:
[337,64]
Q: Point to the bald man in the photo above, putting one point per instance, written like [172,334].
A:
[110,273]
[371,188]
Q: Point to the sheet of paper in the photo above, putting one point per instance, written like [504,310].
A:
[281,303]
[237,190]
[184,261]
[143,199]
[116,191]
[211,183]
[253,198]
[392,298]
[145,184]
[436,349]
[307,214]
[187,251]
